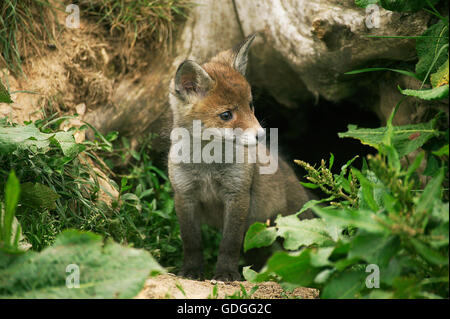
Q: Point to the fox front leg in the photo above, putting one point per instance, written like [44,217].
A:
[190,229]
[235,219]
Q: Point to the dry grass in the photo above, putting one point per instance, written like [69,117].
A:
[24,26]
[152,21]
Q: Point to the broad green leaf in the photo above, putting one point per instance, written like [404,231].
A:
[105,270]
[429,254]
[440,78]
[295,270]
[346,285]
[31,138]
[405,138]
[323,276]
[374,248]
[4,94]
[363,219]
[67,143]
[28,137]
[442,151]
[249,274]
[441,212]
[431,195]
[429,49]
[320,256]
[38,196]
[297,233]
[437,93]
[259,235]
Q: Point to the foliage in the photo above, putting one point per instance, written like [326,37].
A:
[138,20]
[21,24]
[392,215]
[105,270]
[10,230]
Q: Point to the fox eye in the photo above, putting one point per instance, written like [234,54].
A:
[226,116]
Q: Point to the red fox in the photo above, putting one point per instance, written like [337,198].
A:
[229,196]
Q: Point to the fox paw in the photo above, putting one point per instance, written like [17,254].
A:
[227,276]
[191,273]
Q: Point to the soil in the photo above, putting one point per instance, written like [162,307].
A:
[169,286]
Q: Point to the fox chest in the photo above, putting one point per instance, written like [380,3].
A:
[211,187]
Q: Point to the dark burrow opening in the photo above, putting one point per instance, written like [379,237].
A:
[310,132]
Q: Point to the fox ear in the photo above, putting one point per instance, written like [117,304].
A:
[241,54]
[191,78]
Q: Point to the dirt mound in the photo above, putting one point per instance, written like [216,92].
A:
[173,287]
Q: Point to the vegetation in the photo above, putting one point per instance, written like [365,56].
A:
[19,34]
[23,31]
[152,21]
[385,232]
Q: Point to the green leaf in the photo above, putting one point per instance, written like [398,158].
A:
[294,270]
[429,254]
[67,143]
[345,285]
[405,138]
[441,212]
[297,233]
[429,49]
[363,219]
[404,72]
[415,165]
[249,274]
[440,78]
[23,137]
[4,94]
[309,185]
[313,202]
[31,138]
[105,270]
[366,192]
[365,3]
[12,193]
[320,256]
[431,195]
[437,93]
[259,235]
[38,196]
[374,248]
[442,151]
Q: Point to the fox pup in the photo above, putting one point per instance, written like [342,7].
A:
[229,196]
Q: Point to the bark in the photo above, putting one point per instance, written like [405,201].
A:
[303,50]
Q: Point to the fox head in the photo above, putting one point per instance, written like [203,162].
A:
[217,94]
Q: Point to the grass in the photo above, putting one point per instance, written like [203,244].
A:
[23,29]
[27,25]
[150,20]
